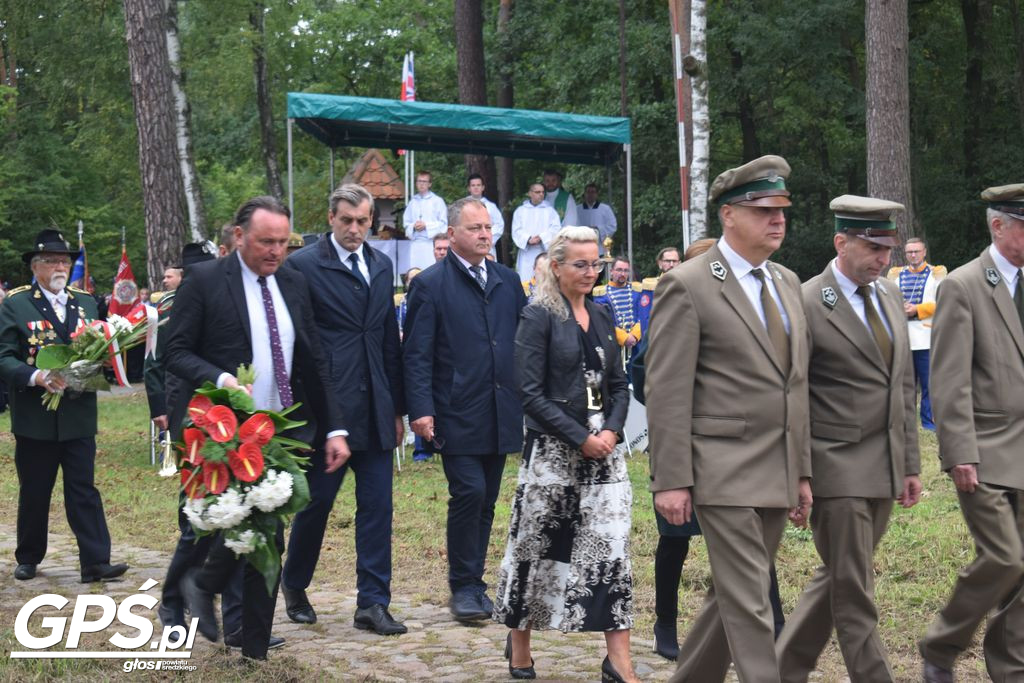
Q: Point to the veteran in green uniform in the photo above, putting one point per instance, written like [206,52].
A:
[34,316]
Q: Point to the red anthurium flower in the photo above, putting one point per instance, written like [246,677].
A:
[258,429]
[194,441]
[197,409]
[215,477]
[246,462]
[221,423]
[192,483]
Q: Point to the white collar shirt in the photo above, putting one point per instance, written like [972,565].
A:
[849,289]
[344,254]
[264,389]
[58,302]
[742,270]
[469,266]
[1007,270]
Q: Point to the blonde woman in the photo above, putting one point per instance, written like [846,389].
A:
[567,564]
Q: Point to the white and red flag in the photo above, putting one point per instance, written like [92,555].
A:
[408,83]
[126,292]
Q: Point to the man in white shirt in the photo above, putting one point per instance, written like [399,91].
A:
[425,216]
[475,187]
[534,224]
[560,198]
[597,215]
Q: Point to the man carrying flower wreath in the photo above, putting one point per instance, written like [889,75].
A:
[243,310]
[34,316]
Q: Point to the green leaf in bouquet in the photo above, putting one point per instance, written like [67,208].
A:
[267,560]
[286,442]
[300,495]
[281,421]
[214,452]
[240,400]
[54,356]
[245,374]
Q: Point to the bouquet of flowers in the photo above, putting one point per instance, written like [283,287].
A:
[239,474]
[94,345]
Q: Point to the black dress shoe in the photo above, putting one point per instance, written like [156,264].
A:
[609,674]
[377,618]
[24,572]
[465,606]
[200,604]
[486,604]
[666,643]
[518,672]
[934,673]
[297,606]
[102,572]
[235,640]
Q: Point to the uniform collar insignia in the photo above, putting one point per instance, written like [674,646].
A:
[992,275]
[718,270]
[829,297]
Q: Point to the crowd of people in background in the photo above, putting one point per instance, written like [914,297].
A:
[766,399]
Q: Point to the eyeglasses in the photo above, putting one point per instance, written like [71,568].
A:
[53,260]
[584,266]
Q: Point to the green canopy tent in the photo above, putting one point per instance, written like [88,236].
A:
[344,121]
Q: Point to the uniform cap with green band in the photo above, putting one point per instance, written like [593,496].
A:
[867,218]
[1006,198]
[761,182]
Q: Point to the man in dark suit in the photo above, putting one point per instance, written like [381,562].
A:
[48,312]
[350,285]
[243,310]
[461,388]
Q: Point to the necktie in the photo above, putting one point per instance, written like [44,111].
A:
[478,274]
[773,321]
[875,323]
[1018,296]
[284,388]
[60,306]
[354,260]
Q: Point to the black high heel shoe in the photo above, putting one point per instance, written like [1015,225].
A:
[518,672]
[609,674]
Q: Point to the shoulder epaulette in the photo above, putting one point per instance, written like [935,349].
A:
[18,290]
[599,290]
[894,272]
[939,272]
[650,283]
[526,287]
[76,290]
[637,287]
[398,298]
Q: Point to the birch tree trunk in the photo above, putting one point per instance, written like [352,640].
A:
[182,121]
[888,107]
[163,193]
[268,142]
[700,156]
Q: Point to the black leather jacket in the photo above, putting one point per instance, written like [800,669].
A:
[549,366]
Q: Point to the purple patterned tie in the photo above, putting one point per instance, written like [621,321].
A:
[284,388]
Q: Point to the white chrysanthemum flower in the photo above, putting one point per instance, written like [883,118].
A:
[271,493]
[193,509]
[243,542]
[119,323]
[227,510]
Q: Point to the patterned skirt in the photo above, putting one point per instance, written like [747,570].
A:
[566,565]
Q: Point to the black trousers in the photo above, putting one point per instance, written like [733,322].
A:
[257,605]
[37,463]
[191,552]
[473,485]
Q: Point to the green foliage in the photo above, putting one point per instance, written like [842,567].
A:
[785,78]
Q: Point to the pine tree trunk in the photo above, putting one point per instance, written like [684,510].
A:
[469,53]
[888,108]
[183,118]
[506,169]
[268,143]
[700,155]
[163,194]
[976,15]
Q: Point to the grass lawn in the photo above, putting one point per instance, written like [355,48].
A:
[915,565]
